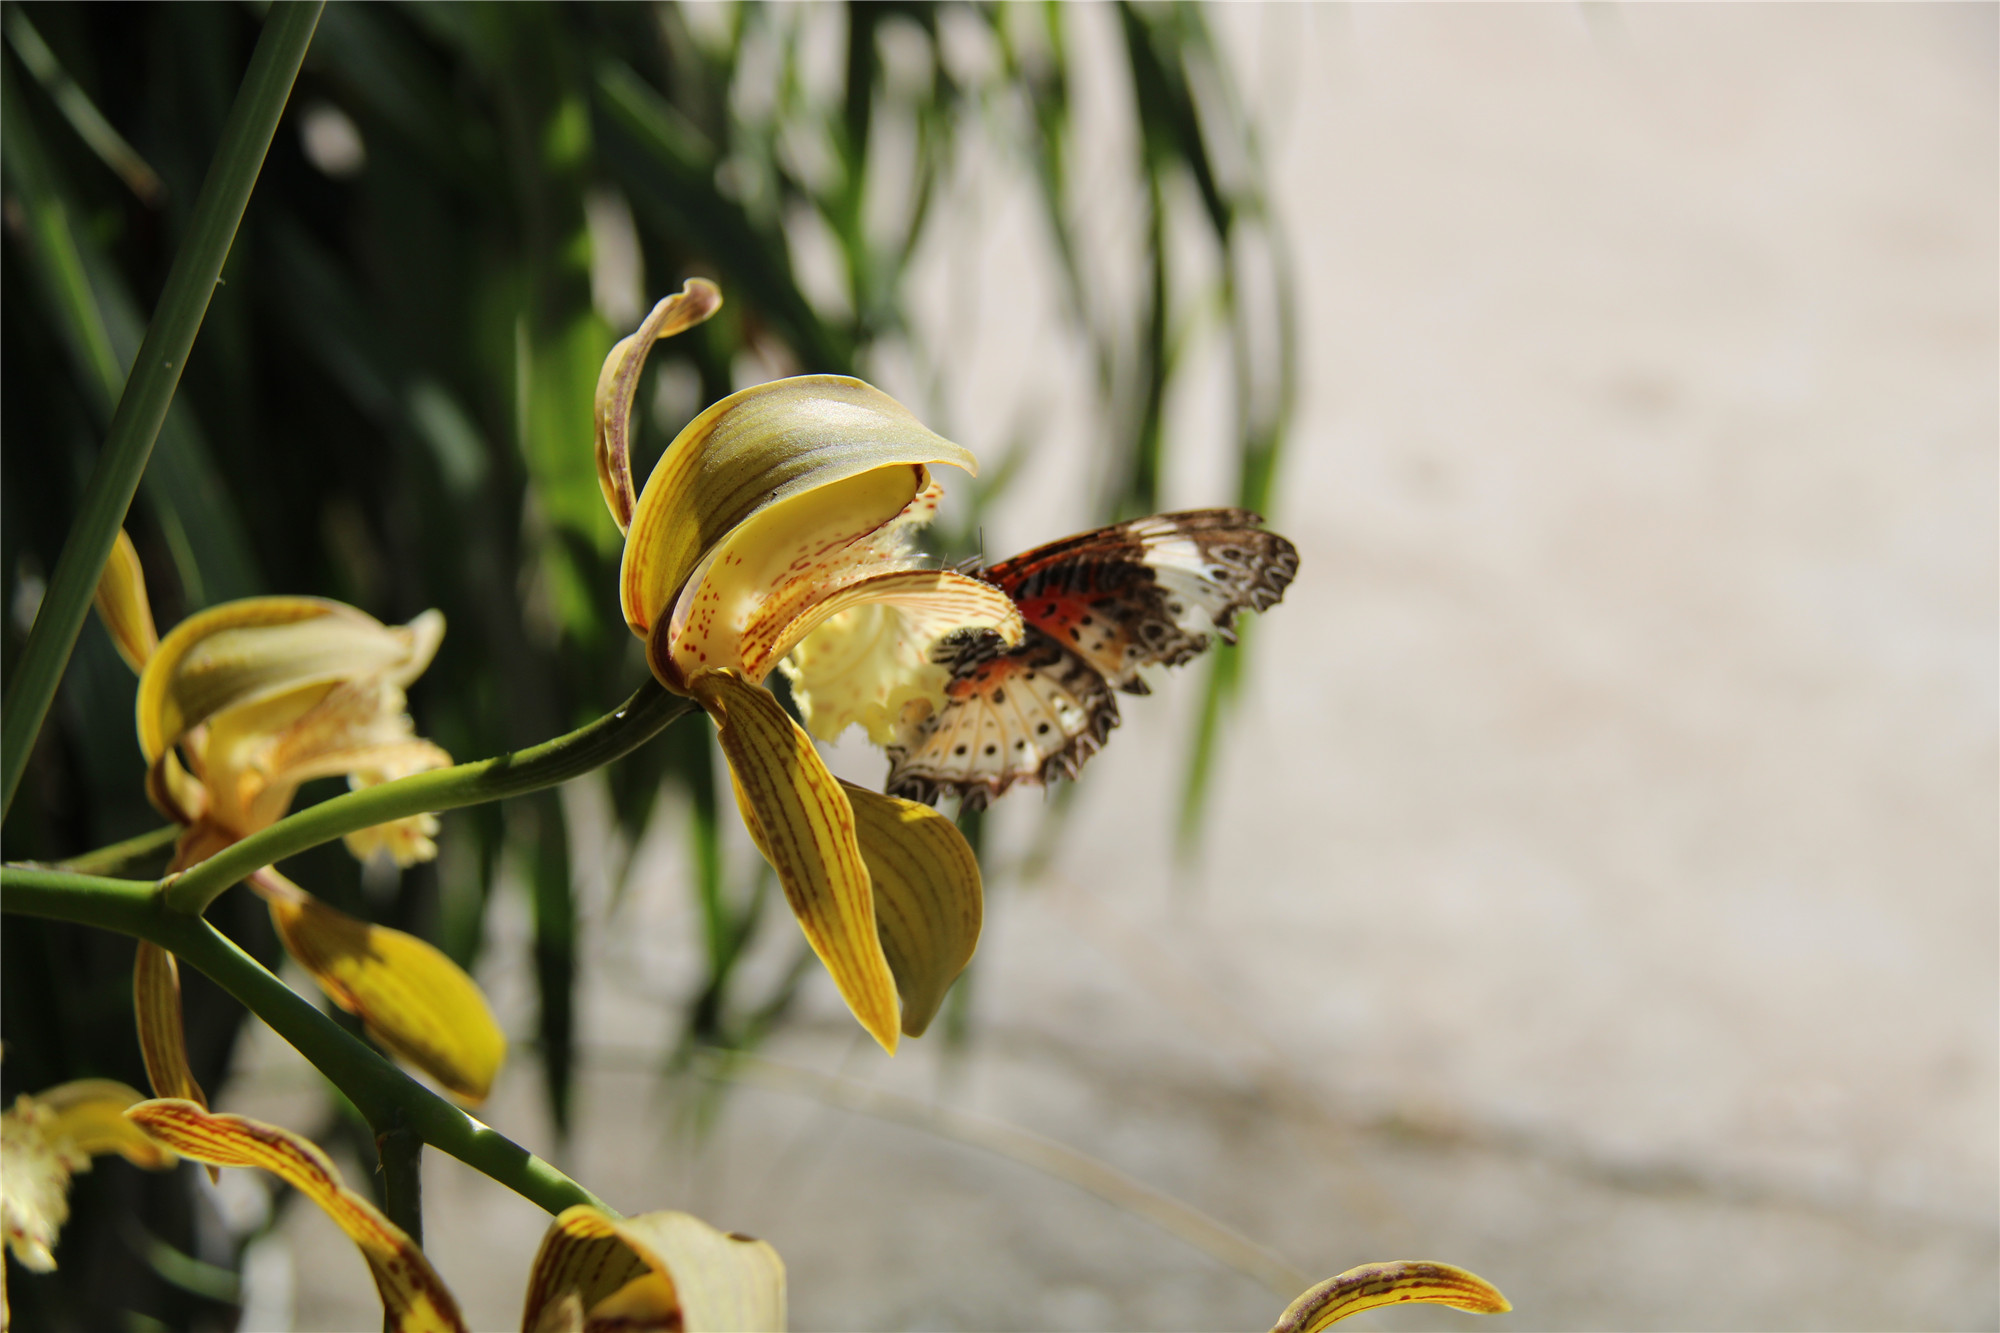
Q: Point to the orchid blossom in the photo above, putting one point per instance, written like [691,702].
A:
[595,1273]
[260,696]
[49,1137]
[774,511]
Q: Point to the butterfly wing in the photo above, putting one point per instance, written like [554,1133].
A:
[1152,591]
[1098,606]
[1032,713]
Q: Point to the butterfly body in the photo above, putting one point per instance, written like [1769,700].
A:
[1098,607]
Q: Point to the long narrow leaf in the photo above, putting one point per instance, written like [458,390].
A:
[143,406]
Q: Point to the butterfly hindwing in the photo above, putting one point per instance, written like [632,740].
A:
[1098,607]
[1027,714]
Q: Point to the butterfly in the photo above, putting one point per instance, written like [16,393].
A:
[1097,606]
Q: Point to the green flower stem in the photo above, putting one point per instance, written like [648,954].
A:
[387,1098]
[402,1154]
[611,737]
[156,373]
[104,860]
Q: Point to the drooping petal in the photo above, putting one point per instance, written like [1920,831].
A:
[800,819]
[929,605]
[411,998]
[156,1000]
[775,567]
[619,381]
[250,650]
[413,1295]
[755,449]
[89,1114]
[663,1270]
[928,904]
[122,604]
[1401,1282]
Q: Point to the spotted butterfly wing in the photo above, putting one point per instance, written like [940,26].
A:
[1098,606]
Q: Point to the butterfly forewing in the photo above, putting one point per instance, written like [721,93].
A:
[1099,606]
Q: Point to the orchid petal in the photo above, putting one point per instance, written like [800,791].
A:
[413,1296]
[250,650]
[122,604]
[255,755]
[754,449]
[933,603]
[773,567]
[89,1114]
[156,999]
[411,998]
[173,791]
[800,819]
[657,1270]
[927,897]
[618,382]
[1402,1282]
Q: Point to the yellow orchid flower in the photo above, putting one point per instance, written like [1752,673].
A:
[594,1273]
[774,511]
[49,1137]
[259,696]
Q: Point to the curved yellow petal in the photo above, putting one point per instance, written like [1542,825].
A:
[800,819]
[750,451]
[928,903]
[242,652]
[411,998]
[619,381]
[89,1113]
[413,1295]
[122,604]
[774,566]
[156,1000]
[175,792]
[1401,1282]
[932,604]
[663,1270]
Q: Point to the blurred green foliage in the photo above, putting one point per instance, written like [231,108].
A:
[390,400]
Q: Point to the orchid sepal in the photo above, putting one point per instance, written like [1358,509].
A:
[757,448]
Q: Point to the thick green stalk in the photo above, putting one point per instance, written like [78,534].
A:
[386,1097]
[156,373]
[402,1154]
[610,737]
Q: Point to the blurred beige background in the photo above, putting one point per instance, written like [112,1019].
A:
[1600,892]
